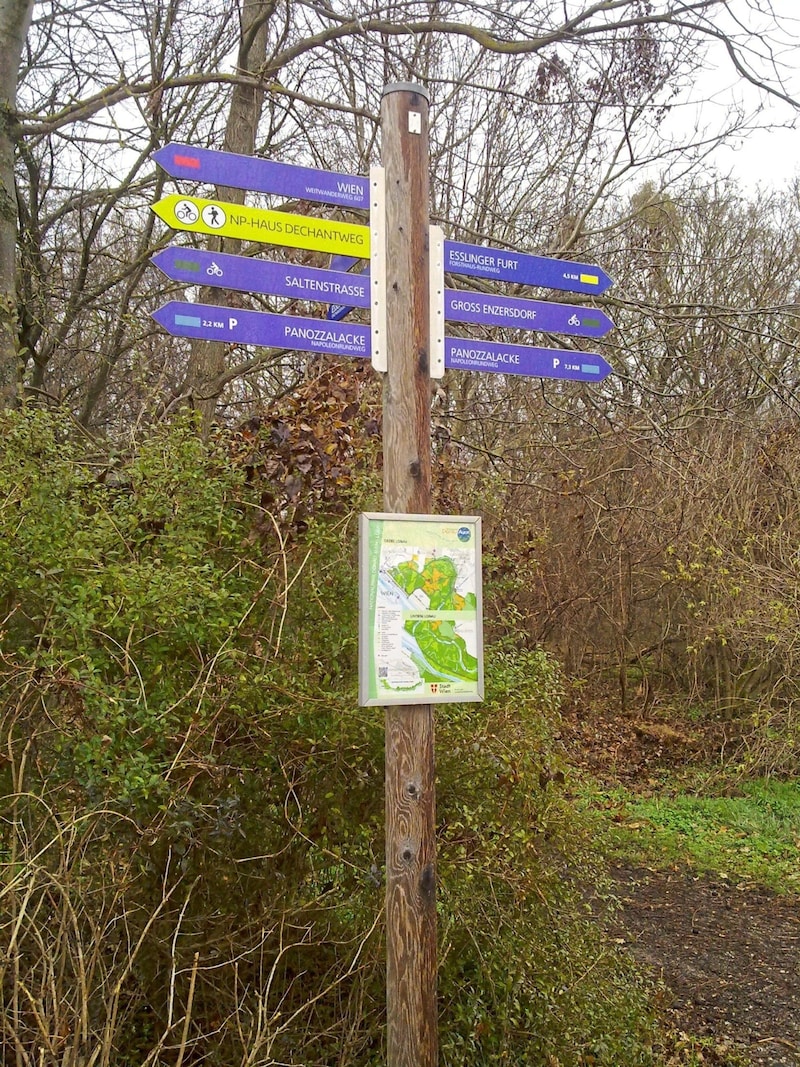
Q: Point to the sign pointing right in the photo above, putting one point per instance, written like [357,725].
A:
[461,353]
[462,305]
[480,261]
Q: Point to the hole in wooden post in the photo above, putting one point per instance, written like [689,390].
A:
[427,880]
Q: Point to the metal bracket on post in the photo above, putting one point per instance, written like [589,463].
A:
[436,280]
[377,265]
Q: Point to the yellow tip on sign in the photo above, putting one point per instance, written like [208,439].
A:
[259,224]
[590,279]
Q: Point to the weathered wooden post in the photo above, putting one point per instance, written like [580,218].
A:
[412,1038]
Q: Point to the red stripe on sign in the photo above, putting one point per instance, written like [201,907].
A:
[186,161]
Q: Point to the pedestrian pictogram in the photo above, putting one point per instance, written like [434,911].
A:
[214,216]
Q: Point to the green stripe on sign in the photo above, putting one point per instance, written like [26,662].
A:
[590,322]
[187,264]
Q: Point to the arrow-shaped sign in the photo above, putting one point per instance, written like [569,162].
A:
[234,326]
[481,262]
[465,306]
[223,271]
[460,353]
[262,175]
[259,224]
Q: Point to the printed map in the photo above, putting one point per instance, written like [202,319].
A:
[424,625]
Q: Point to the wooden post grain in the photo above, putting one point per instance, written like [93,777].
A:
[412,1037]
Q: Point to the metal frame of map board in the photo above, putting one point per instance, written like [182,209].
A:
[382,645]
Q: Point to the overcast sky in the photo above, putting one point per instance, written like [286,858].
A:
[770,156]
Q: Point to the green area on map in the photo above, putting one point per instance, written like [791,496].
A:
[442,648]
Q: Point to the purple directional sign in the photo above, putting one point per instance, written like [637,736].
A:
[461,353]
[262,175]
[235,326]
[243,273]
[464,306]
[481,262]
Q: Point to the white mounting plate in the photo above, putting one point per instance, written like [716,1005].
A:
[377,268]
[436,282]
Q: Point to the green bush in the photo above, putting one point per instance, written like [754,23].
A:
[120,587]
[193,827]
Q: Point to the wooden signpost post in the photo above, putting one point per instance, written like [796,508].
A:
[411,1025]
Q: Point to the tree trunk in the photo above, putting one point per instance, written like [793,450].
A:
[15,16]
[207,360]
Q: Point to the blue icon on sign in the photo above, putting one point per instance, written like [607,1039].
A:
[464,533]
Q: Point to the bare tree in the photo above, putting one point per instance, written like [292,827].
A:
[14,20]
[534,131]
[643,506]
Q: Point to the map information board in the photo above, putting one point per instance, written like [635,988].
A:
[420,609]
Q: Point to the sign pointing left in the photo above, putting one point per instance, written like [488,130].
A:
[262,175]
[223,271]
[207,322]
[258,224]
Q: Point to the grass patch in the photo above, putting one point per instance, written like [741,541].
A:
[753,836]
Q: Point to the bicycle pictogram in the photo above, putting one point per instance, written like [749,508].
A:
[573,320]
[214,270]
[186,211]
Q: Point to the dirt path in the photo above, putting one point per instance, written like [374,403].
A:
[729,958]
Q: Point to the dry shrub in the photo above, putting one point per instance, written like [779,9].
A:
[666,565]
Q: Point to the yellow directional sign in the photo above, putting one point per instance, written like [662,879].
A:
[259,224]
